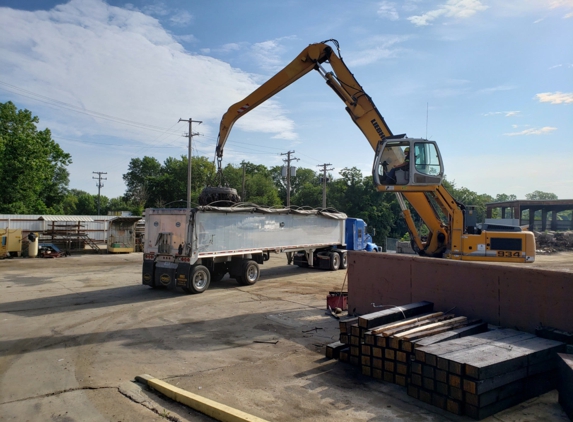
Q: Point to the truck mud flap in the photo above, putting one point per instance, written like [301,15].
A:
[182,274]
[147,273]
[322,261]
[165,273]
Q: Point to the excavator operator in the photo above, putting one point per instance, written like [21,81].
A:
[405,166]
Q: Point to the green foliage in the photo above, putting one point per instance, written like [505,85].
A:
[33,173]
[79,202]
[152,184]
[258,187]
[503,197]
[540,196]
[304,177]
[356,196]
[468,197]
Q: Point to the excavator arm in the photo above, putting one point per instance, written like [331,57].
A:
[366,116]
[359,105]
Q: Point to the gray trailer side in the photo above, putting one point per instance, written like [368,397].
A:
[190,248]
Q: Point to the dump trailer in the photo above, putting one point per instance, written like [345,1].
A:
[189,248]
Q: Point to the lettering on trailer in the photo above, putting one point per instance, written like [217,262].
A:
[243,108]
[377,128]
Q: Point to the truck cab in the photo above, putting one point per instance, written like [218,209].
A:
[357,236]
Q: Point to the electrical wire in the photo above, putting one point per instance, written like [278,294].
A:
[61,104]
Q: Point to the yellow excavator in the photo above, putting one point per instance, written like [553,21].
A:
[410,168]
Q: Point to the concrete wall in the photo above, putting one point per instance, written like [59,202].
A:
[515,297]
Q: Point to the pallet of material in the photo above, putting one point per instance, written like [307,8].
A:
[394,314]
[333,350]
[482,374]
[386,355]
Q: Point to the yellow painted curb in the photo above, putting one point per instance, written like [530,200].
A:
[206,406]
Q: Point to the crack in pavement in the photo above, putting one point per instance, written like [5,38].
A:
[55,393]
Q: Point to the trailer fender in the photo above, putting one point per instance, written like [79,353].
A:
[182,274]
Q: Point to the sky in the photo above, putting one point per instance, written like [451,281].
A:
[491,81]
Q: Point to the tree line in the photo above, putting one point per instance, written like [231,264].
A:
[35,180]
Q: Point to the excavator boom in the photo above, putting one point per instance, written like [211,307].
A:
[359,105]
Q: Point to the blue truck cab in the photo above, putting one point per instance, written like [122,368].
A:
[357,239]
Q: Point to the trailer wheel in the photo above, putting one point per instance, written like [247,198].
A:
[199,280]
[343,260]
[334,261]
[250,274]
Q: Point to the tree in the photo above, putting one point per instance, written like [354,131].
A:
[303,177]
[33,174]
[140,179]
[261,191]
[152,184]
[540,196]
[503,197]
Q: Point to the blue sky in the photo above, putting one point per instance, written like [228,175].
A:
[111,80]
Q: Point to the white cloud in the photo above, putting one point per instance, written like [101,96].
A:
[226,48]
[387,10]
[533,131]
[157,9]
[459,9]
[125,64]
[189,38]
[555,97]
[181,18]
[376,48]
[268,54]
[554,4]
[505,113]
[495,89]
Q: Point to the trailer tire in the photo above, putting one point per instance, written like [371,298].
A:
[250,274]
[343,260]
[334,261]
[199,280]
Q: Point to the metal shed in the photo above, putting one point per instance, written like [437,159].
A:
[121,237]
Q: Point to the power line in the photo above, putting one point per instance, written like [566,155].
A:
[60,104]
[288,160]
[324,170]
[99,185]
[190,135]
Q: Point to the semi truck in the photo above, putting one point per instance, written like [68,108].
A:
[188,248]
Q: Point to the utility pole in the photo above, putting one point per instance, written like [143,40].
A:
[324,170]
[243,193]
[99,185]
[288,160]
[190,135]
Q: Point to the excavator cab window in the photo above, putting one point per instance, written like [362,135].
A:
[408,162]
[427,159]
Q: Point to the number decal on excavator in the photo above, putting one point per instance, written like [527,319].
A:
[508,254]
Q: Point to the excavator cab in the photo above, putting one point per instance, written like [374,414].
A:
[407,163]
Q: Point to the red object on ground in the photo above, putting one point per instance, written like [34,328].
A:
[337,300]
